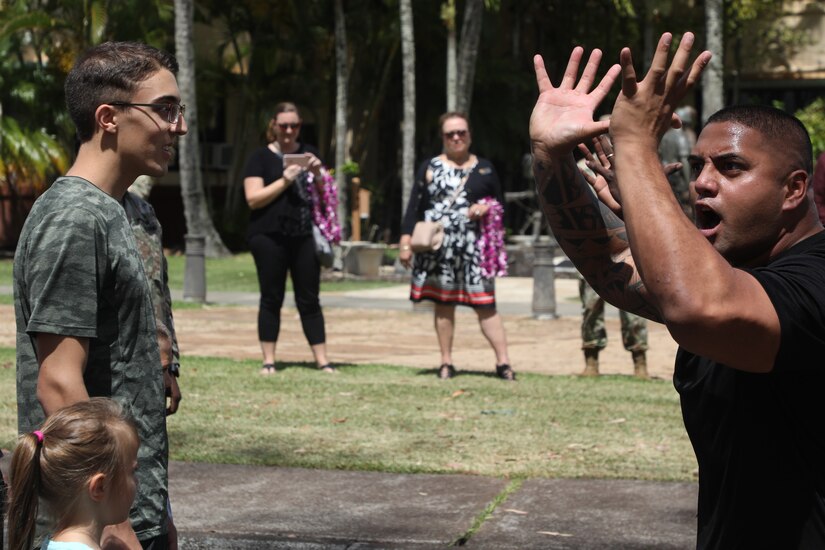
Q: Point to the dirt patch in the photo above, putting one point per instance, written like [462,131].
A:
[364,336]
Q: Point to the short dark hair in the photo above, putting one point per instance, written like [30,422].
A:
[110,72]
[784,129]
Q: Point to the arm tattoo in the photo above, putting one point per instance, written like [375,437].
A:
[591,235]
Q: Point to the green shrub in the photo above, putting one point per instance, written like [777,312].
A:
[813,117]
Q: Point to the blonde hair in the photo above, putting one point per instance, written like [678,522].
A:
[283,107]
[56,462]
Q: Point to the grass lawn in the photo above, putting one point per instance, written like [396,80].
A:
[234,273]
[398,419]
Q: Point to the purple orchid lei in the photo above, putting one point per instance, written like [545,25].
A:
[325,205]
[491,240]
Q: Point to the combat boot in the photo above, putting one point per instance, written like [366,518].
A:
[591,362]
[640,365]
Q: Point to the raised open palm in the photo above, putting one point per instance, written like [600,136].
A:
[563,115]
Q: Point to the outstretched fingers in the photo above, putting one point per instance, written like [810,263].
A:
[680,61]
[697,68]
[629,82]
[589,73]
[601,91]
[542,80]
[658,66]
[571,73]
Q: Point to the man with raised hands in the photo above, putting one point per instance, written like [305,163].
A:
[742,291]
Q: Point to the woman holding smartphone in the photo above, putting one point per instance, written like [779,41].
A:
[276,185]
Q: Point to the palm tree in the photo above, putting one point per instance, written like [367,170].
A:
[408,126]
[198,220]
[467,54]
[713,94]
[448,17]
[30,156]
[341,152]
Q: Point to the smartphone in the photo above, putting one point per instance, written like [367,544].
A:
[300,160]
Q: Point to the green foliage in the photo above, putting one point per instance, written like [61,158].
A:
[624,7]
[351,168]
[813,117]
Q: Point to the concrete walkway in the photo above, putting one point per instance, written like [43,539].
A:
[246,507]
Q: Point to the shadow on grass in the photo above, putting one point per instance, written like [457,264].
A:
[309,365]
[458,373]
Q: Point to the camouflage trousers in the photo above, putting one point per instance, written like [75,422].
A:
[594,334]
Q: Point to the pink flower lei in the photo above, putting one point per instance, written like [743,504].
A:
[491,240]
[325,205]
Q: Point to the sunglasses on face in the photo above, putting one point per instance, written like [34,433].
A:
[290,125]
[170,111]
[460,133]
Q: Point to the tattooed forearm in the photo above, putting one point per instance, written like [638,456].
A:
[573,211]
[591,235]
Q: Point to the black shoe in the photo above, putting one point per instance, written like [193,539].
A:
[505,372]
[446,371]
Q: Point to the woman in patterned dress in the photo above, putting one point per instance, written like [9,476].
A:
[458,189]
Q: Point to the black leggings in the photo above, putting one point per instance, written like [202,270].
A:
[275,255]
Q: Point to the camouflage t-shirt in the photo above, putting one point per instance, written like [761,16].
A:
[77,273]
[149,239]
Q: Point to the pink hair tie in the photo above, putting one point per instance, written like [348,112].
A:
[39,435]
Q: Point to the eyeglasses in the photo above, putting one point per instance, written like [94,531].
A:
[290,125]
[460,133]
[173,111]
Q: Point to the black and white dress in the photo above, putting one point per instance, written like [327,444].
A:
[452,274]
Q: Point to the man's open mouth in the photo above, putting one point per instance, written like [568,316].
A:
[706,218]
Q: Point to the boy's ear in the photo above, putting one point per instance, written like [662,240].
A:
[97,487]
[106,118]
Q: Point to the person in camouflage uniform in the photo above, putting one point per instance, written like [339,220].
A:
[84,313]
[674,147]
[594,335]
[149,239]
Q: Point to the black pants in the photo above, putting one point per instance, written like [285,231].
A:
[275,255]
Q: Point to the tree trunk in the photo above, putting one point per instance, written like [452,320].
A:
[713,91]
[468,53]
[408,125]
[452,76]
[198,221]
[341,113]
[448,17]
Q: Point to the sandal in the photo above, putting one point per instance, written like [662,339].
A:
[329,369]
[446,371]
[268,369]
[504,372]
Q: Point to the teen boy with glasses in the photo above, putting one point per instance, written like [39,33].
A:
[85,323]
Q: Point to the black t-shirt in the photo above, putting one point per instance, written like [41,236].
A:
[759,439]
[290,213]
